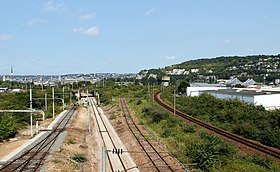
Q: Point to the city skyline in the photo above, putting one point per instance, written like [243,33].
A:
[63,37]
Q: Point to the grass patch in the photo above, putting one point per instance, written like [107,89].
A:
[113,116]
[71,141]
[79,158]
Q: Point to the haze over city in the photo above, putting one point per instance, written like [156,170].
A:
[60,37]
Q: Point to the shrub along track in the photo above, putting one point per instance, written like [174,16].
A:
[34,157]
[273,152]
[159,159]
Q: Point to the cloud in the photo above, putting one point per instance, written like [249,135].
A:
[150,11]
[6,37]
[36,21]
[227,41]
[53,7]
[87,16]
[170,57]
[92,31]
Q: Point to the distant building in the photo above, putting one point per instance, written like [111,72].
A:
[256,97]
[4,78]
[196,88]
[3,90]
[17,90]
[194,70]
[124,83]
[234,81]
[277,81]
[165,81]
[153,76]
[249,82]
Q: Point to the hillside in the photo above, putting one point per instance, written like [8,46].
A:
[262,68]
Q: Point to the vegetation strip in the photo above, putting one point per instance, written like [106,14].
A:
[131,124]
[231,136]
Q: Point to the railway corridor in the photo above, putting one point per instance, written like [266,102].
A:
[33,158]
[253,145]
[109,139]
[159,159]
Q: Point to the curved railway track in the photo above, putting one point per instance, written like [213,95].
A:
[34,157]
[257,146]
[105,133]
[159,159]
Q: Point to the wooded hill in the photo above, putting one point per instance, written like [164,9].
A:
[262,68]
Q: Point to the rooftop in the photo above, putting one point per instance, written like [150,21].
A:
[240,92]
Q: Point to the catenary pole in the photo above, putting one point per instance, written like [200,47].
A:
[31,119]
[53,100]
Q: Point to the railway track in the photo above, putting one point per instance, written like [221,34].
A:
[159,159]
[257,146]
[32,159]
[116,162]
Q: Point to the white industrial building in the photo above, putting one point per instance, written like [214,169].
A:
[196,88]
[269,100]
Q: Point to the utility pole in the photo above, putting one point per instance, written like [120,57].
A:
[46,101]
[71,97]
[174,103]
[104,159]
[42,85]
[88,112]
[31,119]
[63,96]
[153,95]
[53,100]
[149,95]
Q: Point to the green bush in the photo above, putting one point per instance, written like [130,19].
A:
[113,116]
[205,155]
[264,162]
[79,157]
[166,133]
[146,110]
[189,128]
[227,149]
[139,101]
[207,152]
[8,127]
[155,115]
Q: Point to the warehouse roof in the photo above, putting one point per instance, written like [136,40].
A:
[240,92]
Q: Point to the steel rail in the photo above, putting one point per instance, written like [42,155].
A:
[121,161]
[257,146]
[99,129]
[38,148]
[128,115]
[150,158]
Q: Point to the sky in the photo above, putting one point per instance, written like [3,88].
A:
[125,36]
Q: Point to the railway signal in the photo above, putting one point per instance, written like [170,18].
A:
[117,151]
